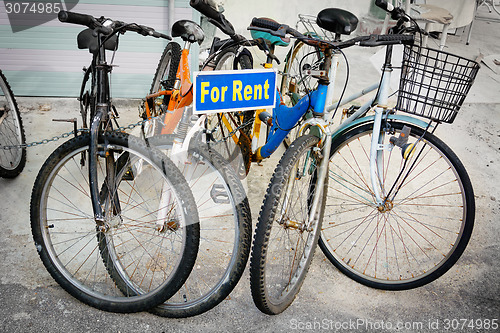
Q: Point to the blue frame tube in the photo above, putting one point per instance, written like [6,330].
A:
[286,118]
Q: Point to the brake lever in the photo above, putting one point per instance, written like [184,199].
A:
[101,26]
[103,30]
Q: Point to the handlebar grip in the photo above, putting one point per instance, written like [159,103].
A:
[377,40]
[266,24]
[77,18]
[384,5]
[160,35]
[205,8]
[403,39]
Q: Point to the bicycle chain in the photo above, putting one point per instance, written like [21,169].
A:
[67,134]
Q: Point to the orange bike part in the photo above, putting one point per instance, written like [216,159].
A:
[180,97]
[151,97]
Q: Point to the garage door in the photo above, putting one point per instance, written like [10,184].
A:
[45,61]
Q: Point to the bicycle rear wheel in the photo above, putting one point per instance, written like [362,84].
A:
[148,244]
[296,83]
[420,233]
[284,243]
[225,231]
[163,79]
[167,68]
[12,160]
[230,132]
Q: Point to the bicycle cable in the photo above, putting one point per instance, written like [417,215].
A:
[346,82]
[397,181]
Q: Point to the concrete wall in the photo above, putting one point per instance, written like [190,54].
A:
[44,60]
[240,13]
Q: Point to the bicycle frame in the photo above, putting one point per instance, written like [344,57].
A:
[181,97]
[290,116]
[285,118]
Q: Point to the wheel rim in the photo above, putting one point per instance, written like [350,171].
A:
[218,231]
[291,243]
[66,246]
[10,131]
[414,235]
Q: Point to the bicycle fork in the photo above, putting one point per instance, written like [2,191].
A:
[322,174]
[377,148]
[93,154]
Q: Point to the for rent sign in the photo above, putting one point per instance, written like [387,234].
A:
[227,91]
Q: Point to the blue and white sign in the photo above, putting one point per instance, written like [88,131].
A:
[228,91]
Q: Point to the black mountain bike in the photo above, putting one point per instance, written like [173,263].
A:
[114,221]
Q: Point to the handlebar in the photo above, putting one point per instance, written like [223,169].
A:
[396,12]
[209,9]
[384,5]
[377,40]
[106,26]
[274,28]
[277,29]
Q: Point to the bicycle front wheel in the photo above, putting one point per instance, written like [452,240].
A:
[426,221]
[147,245]
[13,159]
[285,239]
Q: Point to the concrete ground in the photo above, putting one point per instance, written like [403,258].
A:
[467,296]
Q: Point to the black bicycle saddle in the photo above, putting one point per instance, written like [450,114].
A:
[188,31]
[337,20]
[87,40]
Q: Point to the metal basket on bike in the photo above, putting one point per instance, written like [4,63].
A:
[434,83]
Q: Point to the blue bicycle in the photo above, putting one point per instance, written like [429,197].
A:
[393,204]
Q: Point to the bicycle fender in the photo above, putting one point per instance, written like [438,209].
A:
[361,121]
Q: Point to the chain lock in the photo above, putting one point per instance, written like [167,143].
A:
[67,134]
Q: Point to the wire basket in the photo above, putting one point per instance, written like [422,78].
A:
[433,83]
[308,25]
